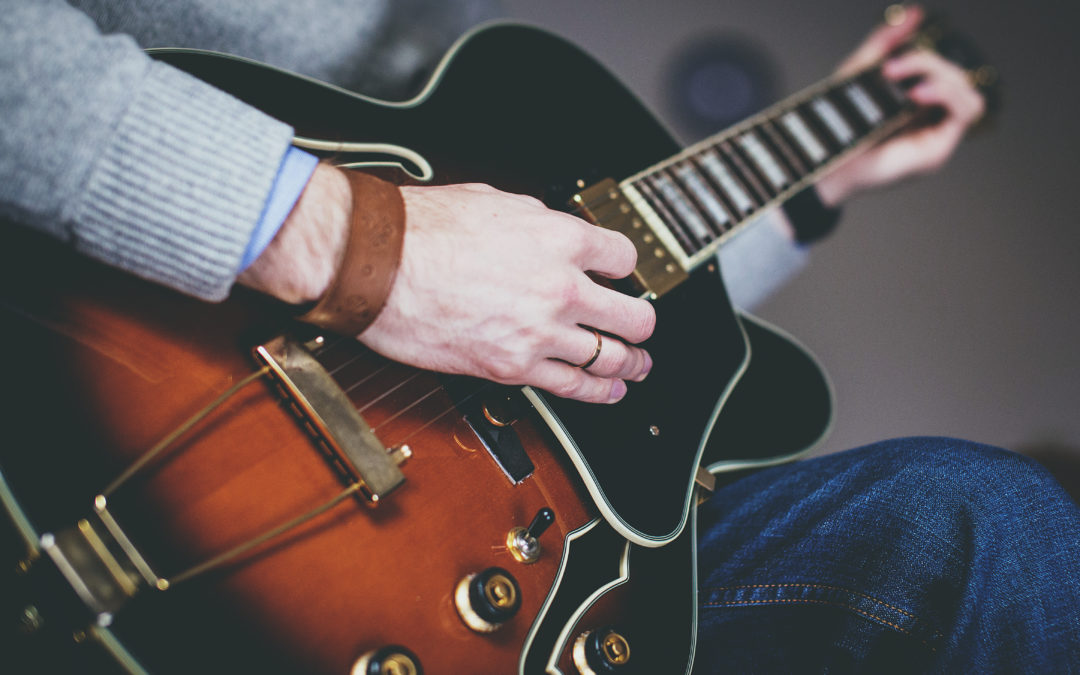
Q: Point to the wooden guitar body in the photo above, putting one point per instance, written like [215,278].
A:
[102,367]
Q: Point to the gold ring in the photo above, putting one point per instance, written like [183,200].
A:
[596,352]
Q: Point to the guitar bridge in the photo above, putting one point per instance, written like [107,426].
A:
[355,451]
[658,268]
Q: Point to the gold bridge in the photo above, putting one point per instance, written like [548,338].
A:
[106,569]
[658,269]
[354,450]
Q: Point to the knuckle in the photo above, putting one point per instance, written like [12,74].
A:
[569,386]
[644,322]
[510,369]
[570,293]
[626,251]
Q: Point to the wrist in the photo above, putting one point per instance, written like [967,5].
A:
[299,263]
[810,216]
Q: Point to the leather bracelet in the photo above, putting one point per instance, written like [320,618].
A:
[358,292]
[811,219]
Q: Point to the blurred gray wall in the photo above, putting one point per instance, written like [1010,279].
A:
[946,305]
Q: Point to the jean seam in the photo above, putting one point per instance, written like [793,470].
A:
[935,634]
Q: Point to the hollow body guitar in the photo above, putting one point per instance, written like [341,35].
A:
[107,367]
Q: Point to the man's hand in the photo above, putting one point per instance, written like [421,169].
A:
[494,285]
[491,284]
[941,84]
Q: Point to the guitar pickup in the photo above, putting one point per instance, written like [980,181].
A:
[353,447]
[658,267]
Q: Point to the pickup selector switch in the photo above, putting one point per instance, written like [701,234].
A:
[523,541]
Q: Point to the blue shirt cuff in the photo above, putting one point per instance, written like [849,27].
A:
[292,177]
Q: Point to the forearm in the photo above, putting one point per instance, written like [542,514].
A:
[300,261]
[130,161]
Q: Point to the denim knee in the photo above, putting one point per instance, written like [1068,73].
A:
[936,473]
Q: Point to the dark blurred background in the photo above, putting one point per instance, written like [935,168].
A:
[945,305]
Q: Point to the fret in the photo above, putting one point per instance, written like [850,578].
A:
[707,191]
[745,173]
[862,102]
[806,140]
[685,242]
[833,120]
[701,192]
[892,96]
[763,160]
[779,143]
[727,182]
[889,97]
[683,208]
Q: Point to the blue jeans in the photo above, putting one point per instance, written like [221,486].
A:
[915,555]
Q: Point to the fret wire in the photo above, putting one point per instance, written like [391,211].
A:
[727,184]
[885,92]
[680,204]
[890,91]
[804,135]
[699,189]
[862,102]
[646,190]
[851,114]
[782,147]
[804,138]
[748,176]
[798,99]
[833,120]
[761,158]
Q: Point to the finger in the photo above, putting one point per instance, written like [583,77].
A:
[942,84]
[615,358]
[921,63]
[632,319]
[566,381]
[883,40]
[962,103]
[606,253]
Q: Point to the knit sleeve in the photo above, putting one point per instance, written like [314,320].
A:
[128,160]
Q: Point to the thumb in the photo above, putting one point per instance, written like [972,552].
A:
[898,29]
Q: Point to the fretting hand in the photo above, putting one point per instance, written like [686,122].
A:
[921,149]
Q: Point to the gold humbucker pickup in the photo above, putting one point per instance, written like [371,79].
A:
[658,268]
[358,452]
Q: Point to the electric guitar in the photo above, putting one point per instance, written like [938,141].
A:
[197,487]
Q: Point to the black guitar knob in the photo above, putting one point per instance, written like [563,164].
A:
[488,599]
[388,660]
[601,651]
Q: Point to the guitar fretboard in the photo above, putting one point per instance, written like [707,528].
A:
[699,198]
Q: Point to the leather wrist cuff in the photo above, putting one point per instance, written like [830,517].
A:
[811,219]
[359,290]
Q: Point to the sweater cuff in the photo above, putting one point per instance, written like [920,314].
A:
[177,192]
[810,218]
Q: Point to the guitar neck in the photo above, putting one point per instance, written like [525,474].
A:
[697,200]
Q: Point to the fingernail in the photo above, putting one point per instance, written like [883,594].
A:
[618,390]
[646,368]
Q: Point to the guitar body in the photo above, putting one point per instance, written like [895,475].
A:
[106,366]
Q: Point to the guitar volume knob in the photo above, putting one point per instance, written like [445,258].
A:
[488,599]
[601,651]
[388,660]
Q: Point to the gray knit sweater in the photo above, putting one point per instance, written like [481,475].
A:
[146,168]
